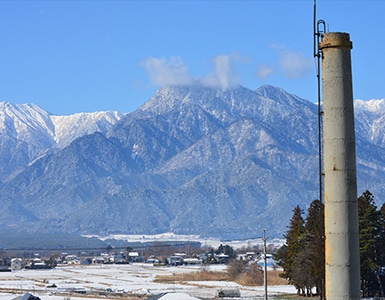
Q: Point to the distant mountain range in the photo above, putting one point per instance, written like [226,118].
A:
[191,160]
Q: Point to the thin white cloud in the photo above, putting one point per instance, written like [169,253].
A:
[294,64]
[167,71]
[278,47]
[172,71]
[264,71]
[223,75]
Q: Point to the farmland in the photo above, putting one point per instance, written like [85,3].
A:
[134,281]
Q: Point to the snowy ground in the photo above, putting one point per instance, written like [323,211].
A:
[207,242]
[131,278]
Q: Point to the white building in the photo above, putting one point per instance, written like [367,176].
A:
[16,264]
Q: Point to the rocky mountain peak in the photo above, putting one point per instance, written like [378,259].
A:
[25,121]
[192,160]
[27,131]
[376,106]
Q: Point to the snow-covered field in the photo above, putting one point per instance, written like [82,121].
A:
[172,237]
[131,278]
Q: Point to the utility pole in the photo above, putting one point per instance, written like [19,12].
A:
[264,264]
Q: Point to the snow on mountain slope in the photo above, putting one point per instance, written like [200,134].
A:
[29,122]
[68,128]
[370,117]
[26,122]
[373,105]
[27,131]
[190,160]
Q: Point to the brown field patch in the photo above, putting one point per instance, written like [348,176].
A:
[245,279]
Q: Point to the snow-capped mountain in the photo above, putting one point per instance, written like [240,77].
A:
[191,160]
[68,128]
[28,131]
[371,116]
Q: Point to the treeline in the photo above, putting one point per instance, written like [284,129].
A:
[303,256]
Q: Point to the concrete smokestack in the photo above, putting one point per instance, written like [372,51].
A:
[341,214]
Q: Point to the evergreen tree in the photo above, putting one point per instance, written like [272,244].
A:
[314,248]
[381,247]
[294,244]
[226,249]
[303,256]
[381,251]
[370,229]
[302,272]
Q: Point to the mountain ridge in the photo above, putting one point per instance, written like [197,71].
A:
[28,131]
[190,160]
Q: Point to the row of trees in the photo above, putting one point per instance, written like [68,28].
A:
[303,256]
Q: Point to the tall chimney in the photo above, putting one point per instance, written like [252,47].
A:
[341,214]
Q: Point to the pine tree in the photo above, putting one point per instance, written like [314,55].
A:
[314,240]
[294,244]
[303,256]
[370,229]
[381,246]
[381,251]
[226,249]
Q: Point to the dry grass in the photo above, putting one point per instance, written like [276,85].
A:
[273,278]
[195,276]
[245,279]
[256,278]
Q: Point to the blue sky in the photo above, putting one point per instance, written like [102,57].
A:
[84,56]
